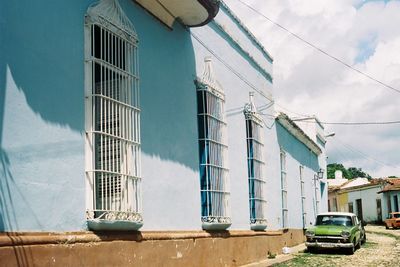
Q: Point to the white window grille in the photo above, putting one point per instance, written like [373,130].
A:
[284,190]
[112,118]
[215,210]
[316,196]
[303,196]
[255,166]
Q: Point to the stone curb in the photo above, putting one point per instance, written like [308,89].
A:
[279,258]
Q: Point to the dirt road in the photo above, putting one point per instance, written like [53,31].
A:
[381,249]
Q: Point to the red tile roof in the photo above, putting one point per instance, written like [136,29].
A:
[393,184]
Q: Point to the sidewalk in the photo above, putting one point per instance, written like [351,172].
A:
[279,258]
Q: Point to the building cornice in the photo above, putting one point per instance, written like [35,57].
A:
[297,132]
[191,13]
[247,32]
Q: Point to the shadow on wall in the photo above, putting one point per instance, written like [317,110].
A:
[42,46]
[168,93]
[39,47]
[5,170]
[46,71]
[23,255]
[296,149]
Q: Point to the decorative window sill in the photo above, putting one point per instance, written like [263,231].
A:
[114,225]
[258,227]
[215,226]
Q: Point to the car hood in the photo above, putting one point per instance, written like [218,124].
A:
[329,229]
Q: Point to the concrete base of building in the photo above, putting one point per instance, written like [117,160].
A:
[180,248]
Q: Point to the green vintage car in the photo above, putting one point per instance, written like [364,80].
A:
[336,230]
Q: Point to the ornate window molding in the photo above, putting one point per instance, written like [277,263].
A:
[215,209]
[255,166]
[112,119]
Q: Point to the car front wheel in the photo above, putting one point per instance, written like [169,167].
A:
[364,239]
[350,251]
[358,244]
[311,250]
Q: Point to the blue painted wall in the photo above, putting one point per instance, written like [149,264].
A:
[297,154]
[297,150]
[41,116]
[42,111]
[42,119]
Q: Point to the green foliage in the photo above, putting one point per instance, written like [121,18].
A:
[349,173]
[271,255]
[358,172]
[337,166]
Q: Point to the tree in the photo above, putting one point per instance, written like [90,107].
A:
[349,173]
[358,172]
[337,166]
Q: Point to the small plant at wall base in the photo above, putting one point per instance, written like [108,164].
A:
[271,255]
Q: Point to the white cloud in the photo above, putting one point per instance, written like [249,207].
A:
[365,34]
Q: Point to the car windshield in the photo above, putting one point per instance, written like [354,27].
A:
[334,220]
[396,215]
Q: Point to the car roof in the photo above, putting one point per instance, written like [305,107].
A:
[337,213]
[396,212]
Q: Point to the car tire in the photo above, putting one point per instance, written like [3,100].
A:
[350,251]
[311,250]
[364,239]
[358,246]
[386,226]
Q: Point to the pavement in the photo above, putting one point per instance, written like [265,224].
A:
[381,229]
[371,229]
[279,258]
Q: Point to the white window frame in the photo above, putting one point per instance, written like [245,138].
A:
[112,120]
[284,190]
[213,150]
[303,196]
[317,193]
[255,165]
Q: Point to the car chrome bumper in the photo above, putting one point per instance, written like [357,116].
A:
[328,245]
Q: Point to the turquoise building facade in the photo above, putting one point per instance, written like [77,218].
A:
[42,121]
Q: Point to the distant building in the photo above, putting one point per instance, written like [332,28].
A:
[371,200]
[337,199]
[390,196]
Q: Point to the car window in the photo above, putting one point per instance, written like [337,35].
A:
[396,215]
[334,220]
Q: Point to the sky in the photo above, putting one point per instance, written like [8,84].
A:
[365,35]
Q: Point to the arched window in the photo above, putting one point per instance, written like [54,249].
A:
[215,210]
[255,166]
[112,119]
